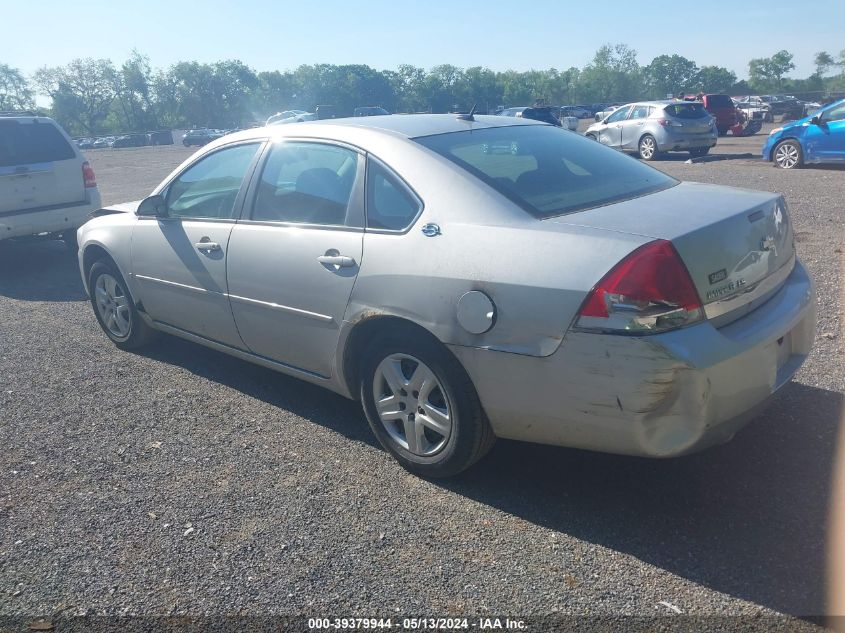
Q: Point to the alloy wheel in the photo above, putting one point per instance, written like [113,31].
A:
[113,305]
[647,147]
[412,405]
[787,156]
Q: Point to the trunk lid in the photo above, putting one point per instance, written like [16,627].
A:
[730,240]
[38,167]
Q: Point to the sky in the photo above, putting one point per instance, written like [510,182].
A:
[498,34]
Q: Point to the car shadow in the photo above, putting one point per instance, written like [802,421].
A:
[39,271]
[311,402]
[746,519]
[683,157]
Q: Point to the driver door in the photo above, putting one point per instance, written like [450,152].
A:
[179,261]
[611,133]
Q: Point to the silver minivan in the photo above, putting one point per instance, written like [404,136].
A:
[653,127]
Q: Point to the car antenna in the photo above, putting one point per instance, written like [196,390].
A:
[468,117]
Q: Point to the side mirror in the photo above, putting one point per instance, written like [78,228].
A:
[153,206]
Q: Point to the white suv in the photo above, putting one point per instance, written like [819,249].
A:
[47,188]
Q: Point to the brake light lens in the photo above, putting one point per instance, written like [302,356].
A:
[88,175]
[649,291]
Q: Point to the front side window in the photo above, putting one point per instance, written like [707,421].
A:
[208,188]
[390,205]
[309,183]
[548,171]
[619,115]
[835,114]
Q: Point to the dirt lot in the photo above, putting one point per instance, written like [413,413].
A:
[179,480]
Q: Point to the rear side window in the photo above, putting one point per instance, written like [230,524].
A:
[548,171]
[24,141]
[686,110]
[390,205]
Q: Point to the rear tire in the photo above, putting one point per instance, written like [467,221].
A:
[788,155]
[114,308]
[648,147]
[429,417]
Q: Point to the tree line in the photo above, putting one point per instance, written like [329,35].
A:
[94,96]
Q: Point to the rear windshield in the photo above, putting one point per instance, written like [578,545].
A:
[546,170]
[720,101]
[686,110]
[24,141]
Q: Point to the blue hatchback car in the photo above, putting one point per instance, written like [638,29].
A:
[817,139]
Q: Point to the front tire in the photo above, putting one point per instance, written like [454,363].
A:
[422,406]
[114,308]
[647,147]
[788,155]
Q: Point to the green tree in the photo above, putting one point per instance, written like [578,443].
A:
[15,92]
[767,73]
[714,79]
[82,93]
[613,75]
[670,74]
[823,61]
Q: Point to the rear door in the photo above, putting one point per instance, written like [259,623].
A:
[294,257]
[38,166]
[179,261]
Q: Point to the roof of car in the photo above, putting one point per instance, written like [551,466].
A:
[406,125]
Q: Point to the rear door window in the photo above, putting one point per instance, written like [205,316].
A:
[27,141]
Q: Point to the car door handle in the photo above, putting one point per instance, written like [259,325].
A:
[207,246]
[341,261]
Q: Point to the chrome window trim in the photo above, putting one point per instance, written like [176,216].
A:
[762,289]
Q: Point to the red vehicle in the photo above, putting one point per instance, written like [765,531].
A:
[723,110]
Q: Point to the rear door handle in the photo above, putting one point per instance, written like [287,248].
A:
[207,246]
[341,261]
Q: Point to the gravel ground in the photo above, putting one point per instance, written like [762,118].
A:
[179,480]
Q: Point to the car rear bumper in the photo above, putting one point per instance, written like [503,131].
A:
[52,219]
[668,141]
[655,396]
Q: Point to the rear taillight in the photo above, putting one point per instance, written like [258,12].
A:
[88,175]
[648,291]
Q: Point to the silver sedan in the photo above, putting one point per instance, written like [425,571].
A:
[654,127]
[555,291]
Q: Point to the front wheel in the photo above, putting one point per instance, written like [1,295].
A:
[114,308]
[648,147]
[788,155]
[422,406]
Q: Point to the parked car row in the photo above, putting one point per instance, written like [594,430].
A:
[547,114]
[159,137]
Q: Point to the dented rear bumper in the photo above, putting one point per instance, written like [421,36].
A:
[657,396]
